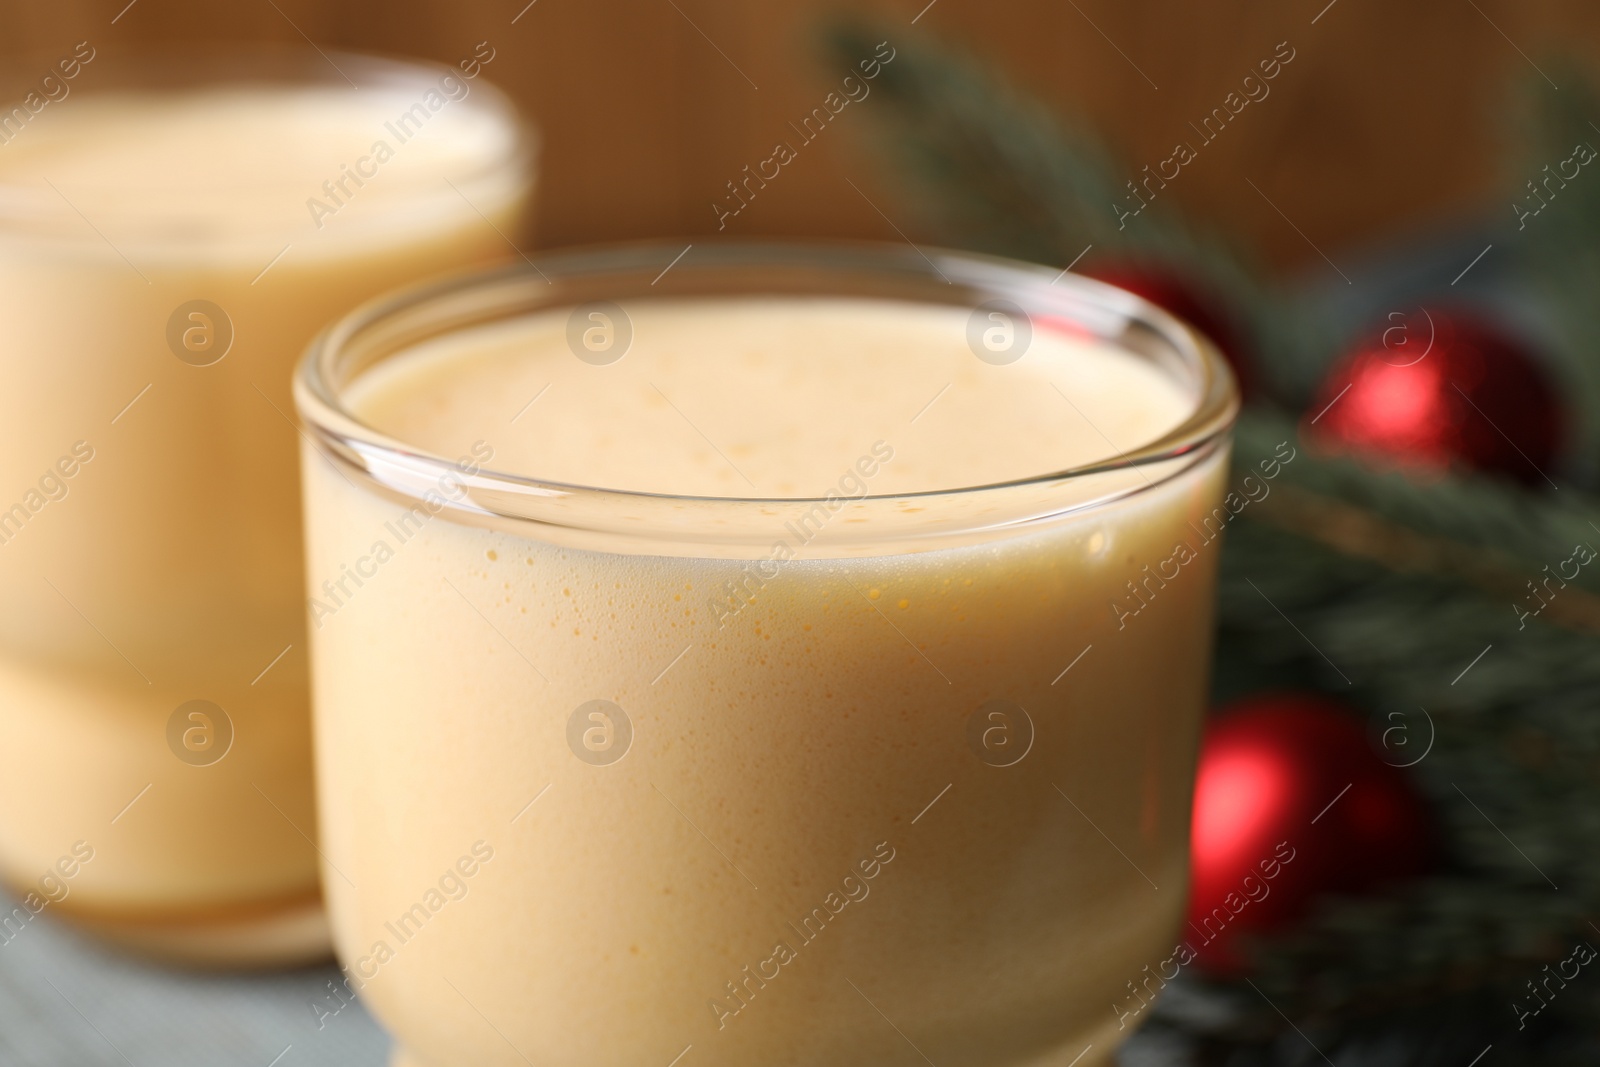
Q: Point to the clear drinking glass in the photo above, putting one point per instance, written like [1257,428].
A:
[175,226]
[610,779]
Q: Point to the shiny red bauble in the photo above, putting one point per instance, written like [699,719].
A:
[1169,290]
[1293,799]
[1432,390]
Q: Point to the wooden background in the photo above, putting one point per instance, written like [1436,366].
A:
[1392,115]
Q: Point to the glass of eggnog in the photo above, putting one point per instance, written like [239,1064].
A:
[174,229]
[751,655]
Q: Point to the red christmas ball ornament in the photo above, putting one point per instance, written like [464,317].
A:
[1292,800]
[1433,390]
[1170,291]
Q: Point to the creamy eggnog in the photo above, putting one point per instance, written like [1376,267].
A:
[169,242]
[778,742]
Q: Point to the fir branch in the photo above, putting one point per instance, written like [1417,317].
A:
[1499,525]
[1521,740]
[1352,531]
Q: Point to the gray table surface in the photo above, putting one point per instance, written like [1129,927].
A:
[66,1001]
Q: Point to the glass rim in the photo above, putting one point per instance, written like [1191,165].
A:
[404,469]
[170,67]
